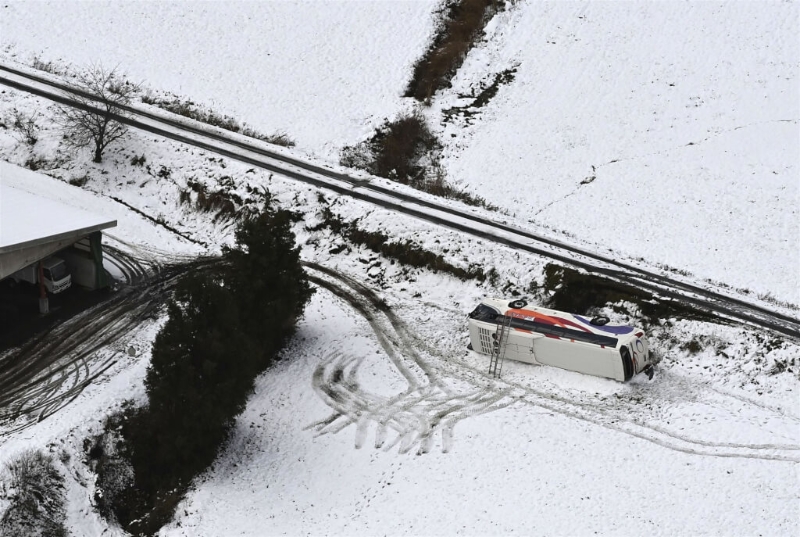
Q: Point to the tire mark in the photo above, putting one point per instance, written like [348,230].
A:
[54,368]
[437,412]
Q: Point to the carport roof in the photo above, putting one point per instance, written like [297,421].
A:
[29,220]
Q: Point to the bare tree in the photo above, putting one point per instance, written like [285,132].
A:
[92,122]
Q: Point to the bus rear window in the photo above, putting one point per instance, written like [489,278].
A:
[484,313]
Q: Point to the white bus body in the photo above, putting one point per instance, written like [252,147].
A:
[550,337]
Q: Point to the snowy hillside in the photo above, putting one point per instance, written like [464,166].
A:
[379,420]
[663,130]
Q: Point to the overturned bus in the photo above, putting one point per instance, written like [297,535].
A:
[512,329]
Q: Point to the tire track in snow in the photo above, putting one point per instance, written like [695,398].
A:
[53,369]
[703,297]
[432,410]
[415,415]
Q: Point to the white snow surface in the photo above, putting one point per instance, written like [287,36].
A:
[393,427]
[26,215]
[326,73]
[682,119]
[685,114]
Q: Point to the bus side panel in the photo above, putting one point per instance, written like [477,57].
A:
[520,347]
[578,356]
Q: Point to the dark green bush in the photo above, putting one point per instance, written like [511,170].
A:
[225,327]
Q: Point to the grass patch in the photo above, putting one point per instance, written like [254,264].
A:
[222,202]
[483,98]
[573,291]
[406,151]
[192,111]
[80,181]
[37,501]
[405,252]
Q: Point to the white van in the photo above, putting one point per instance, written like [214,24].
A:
[512,329]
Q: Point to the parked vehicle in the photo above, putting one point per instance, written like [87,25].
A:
[512,329]
[55,276]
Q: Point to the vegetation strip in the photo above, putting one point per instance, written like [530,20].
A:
[406,252]
[192,111]
[460,28]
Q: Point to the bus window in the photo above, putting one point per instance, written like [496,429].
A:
[484,313]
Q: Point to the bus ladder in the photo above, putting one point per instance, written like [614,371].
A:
[499,346]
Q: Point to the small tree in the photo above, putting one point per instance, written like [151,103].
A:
[93,121]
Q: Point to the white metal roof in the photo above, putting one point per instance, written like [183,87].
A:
[30,218]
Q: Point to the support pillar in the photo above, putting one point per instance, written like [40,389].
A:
[44,303]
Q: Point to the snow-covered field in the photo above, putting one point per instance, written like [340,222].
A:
[388,425]
[325,73]
[685,117]
[685,114]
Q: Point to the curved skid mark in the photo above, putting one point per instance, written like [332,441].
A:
[591,412]
[384,341]
[415,413]
[429,406]
[380,435]
[361,431]
[48,373]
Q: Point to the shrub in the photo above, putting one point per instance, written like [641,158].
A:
[399,147]
[693,346]
[79,181]
[395,151]
[25,126]
[579,292]
[405,150]
[36,163]
[37,500]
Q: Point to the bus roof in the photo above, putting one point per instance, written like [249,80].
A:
[558,318]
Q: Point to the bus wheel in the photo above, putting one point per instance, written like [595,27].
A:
[600,320]
[516,304]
